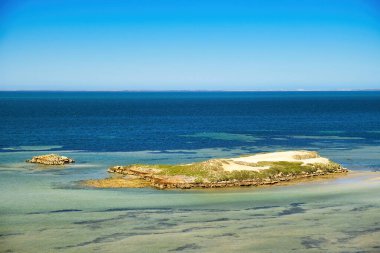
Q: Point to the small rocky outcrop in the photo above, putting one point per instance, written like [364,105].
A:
[51,159]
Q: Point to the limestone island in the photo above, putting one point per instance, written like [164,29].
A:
[51,159]
[248,170]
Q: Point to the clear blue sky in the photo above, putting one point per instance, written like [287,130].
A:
[189,44]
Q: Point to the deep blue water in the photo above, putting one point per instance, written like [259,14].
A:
[133,121]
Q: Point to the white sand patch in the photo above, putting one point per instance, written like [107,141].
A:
[234,166]
[243,163]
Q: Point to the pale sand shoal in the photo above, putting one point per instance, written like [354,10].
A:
[284,156]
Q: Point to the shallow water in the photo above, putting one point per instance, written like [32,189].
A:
[43,209]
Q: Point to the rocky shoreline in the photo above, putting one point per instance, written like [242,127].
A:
[186,182]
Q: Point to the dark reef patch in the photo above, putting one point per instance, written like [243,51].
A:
[362,208]
[200,228]
[102,239]
[261,207]
[311,243]
[157,210]
[218,236]
[10,234]
[158,226]
[217,220]
[297,203]
[257,215]
[294,209]
[190,246]
[66,211]
[97,221]
[57,211]
[107,238]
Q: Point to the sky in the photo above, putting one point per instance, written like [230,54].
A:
[189,44]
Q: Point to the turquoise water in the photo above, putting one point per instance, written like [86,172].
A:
[43,209]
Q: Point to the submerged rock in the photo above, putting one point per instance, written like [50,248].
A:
[51,159]
[116,183]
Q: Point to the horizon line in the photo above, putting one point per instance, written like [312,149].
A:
[191,90]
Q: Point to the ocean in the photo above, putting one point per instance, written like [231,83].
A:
[46,210]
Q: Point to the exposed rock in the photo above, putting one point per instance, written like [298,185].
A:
[51,159]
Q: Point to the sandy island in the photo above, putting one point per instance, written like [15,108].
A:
[248,170]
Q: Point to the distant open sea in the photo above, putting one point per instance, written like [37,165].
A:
[45,210]
[135,121]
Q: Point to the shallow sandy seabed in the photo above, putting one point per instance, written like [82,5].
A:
[42,211]
[334,215]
